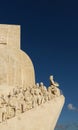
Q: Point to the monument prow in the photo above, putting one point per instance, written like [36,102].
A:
[24,104]
[43,117]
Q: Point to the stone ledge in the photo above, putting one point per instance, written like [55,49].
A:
[43,117]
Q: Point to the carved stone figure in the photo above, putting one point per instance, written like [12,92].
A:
[37,84]
[4,113]
[52,82]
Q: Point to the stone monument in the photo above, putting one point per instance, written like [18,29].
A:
[24,104]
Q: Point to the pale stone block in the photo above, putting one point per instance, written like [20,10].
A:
[16,67]
[10,35]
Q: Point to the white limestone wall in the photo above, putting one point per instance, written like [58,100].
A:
[16,67]
[10,35]
[43,117]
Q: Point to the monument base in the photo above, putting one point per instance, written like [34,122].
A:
[43,117]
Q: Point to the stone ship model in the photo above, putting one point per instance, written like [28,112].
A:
[24,104]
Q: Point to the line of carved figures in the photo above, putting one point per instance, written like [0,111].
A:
[20,100]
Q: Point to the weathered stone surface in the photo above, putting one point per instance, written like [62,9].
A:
[16,68]
[20,100]
[43,117]
[10,35]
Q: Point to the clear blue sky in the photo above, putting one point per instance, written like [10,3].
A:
[50,38]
